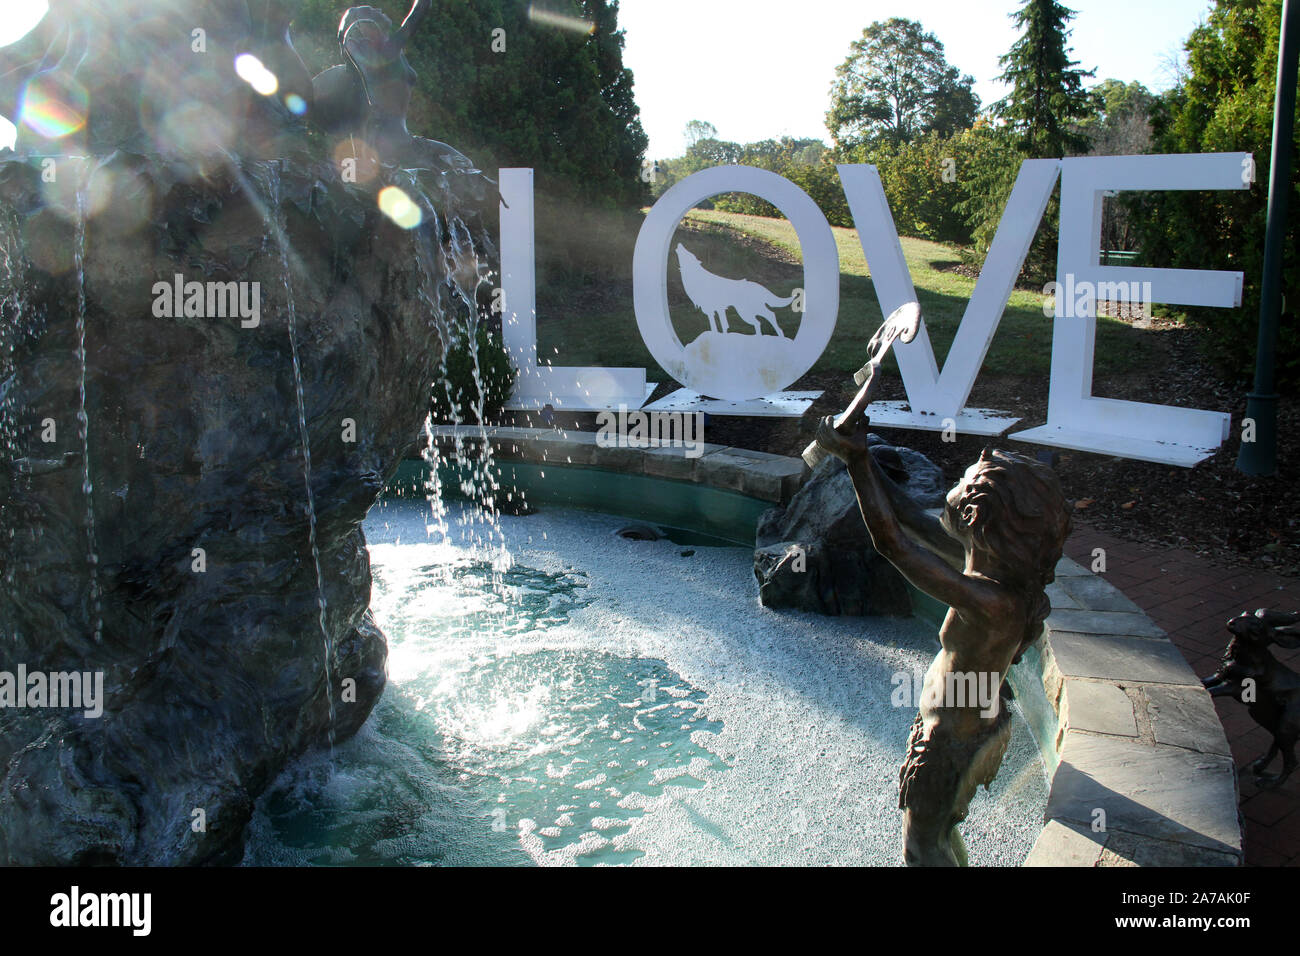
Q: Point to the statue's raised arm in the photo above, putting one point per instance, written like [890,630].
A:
[419,10]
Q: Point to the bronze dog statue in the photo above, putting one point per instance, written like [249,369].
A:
[1269,689]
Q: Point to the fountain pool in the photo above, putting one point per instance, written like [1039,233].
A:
[597,700]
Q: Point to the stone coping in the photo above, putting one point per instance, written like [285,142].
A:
[1143,772]
[755,474]
[1145,776]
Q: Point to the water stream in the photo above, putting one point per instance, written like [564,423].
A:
[15,326]
[83,417]
[456,318]
[277,218]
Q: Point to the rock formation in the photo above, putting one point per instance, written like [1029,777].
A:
[815,553]
[215,347]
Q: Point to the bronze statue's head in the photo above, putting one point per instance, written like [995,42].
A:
[376,52]
[1012,509]
[365,32]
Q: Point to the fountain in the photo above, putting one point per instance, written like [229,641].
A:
[185,486]
[196,536]
[273,174]
[225,289]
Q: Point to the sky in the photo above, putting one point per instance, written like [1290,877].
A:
[16,18]
[760,69]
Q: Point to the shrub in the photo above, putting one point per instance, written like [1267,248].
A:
[1225,104]
[456,392]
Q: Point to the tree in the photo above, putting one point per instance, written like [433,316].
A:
[1042,116]
[1047,97]
[1224,103]
[896,85]
[712,152]
[697,130]
[557,100]
[1122,125]
[988,172]
[791,158]
[805,162]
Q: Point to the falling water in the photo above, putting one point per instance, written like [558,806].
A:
[455,315]
[483,485]
[433,484]
[282,242]
[14,324]
[83,419]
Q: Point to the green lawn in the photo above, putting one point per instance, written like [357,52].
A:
[598,326]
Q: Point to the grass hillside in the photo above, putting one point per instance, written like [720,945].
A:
[597,325]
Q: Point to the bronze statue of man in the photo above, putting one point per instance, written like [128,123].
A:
[989,558]
[369,94]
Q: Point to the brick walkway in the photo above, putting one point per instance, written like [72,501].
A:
[1191,599]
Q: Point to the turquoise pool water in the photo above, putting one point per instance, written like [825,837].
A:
[561,695]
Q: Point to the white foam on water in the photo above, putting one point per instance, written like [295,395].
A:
[617,701]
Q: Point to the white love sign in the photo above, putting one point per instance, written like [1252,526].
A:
[756,363]
[719,363]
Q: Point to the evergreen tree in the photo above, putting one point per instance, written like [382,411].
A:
[509,89]
[1047,98]
[1043,114]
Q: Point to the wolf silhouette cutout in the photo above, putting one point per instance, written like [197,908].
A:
[714,295]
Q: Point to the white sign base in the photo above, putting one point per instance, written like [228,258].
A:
[603,399]
[968,421]
[779,405]
[1121,446]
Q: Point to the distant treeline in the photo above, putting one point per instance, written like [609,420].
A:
[948,168]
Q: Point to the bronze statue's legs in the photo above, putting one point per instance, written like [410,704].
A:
[938,780]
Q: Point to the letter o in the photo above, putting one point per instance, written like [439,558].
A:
[729,376]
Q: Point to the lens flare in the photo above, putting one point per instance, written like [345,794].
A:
[195,127]
[297,105]
[54,105]
[551,18]
[252,72]
[397,206]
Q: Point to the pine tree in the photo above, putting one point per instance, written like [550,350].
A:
[1047,95]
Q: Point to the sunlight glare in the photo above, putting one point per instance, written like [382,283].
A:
[552,19]
[397,206]
[19,19]
[252,72]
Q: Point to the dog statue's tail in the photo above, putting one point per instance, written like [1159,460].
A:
[779,303]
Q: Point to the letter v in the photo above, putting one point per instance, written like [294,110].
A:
[934,396]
